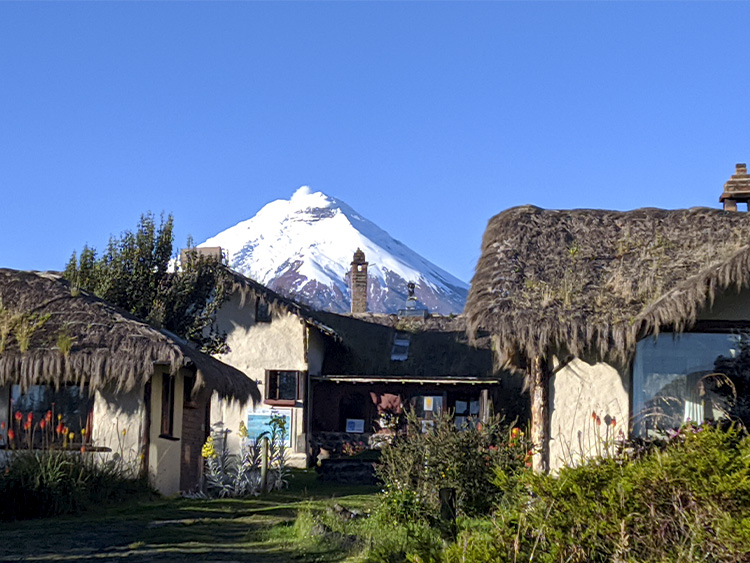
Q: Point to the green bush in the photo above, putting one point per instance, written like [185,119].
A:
[418,464]
[689,501]
[51,482]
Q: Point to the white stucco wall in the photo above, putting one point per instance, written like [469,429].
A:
[255,348]
[576,391]
[164,455]
[118,425]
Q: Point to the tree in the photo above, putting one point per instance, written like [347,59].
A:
[135,274]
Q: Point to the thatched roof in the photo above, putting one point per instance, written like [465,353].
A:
[78,338]
[248,287]
[438,347]
[593,281]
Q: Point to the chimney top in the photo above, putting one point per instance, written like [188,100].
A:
[737,188]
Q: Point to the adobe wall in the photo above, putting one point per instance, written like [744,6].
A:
[118,424]
[255,348]
[164,457]
[578,390]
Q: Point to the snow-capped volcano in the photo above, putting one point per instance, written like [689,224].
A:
[303,248]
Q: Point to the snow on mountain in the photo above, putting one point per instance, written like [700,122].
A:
[303,248]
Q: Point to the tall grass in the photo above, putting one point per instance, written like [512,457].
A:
[38,483]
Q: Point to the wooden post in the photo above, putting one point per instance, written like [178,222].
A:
[540,413]
[264,465]
[448,511]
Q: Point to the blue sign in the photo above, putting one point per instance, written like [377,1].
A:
[259,422]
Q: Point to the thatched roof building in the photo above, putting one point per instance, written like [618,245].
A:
[53,335]
[594,281]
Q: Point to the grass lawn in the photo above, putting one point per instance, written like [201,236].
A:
[183,529]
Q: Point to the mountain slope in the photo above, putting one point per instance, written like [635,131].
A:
[303,248]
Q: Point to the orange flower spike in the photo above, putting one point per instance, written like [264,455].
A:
[83,449]
[614,421]
[30,416]
[598,421]
[42,424]
[2,425]
[48,416]
[18,416]
[593,415]
[27,425]
[11,434]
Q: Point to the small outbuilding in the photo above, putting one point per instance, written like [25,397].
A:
[120,388]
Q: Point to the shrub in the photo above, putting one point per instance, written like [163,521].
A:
[686,501]
[51,482]
[418,464]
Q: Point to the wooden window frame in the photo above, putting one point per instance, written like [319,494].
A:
[272,398]
[167,405]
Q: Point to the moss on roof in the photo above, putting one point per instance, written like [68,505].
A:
[595,281]
[51,334]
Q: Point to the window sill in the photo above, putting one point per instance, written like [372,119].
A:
[168,437]
[281,402]
[69,448]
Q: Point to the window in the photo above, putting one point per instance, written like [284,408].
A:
[39,415]
[167,405]
[676,379]
[400,348]
[284,387]
[262,311]
[466,412]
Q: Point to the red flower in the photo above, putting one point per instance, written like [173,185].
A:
[27,425]
[614,421]
[83,449]
[598,421]
[2,425]
[593,415]
[42,424]
[18,416]
[30,416]
[11,434]
[59,428]
[48,416]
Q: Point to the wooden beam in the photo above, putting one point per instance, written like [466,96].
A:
[539,379]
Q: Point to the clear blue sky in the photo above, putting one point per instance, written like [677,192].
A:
[428,118]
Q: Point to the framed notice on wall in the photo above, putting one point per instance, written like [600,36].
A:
[259,422]
[355,425]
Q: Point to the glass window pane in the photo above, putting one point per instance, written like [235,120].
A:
[69,406]
[287,385]
[673,379]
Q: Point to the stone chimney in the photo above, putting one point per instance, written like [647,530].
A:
[358,277]
[737,189]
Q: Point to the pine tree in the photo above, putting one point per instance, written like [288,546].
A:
[134,274]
